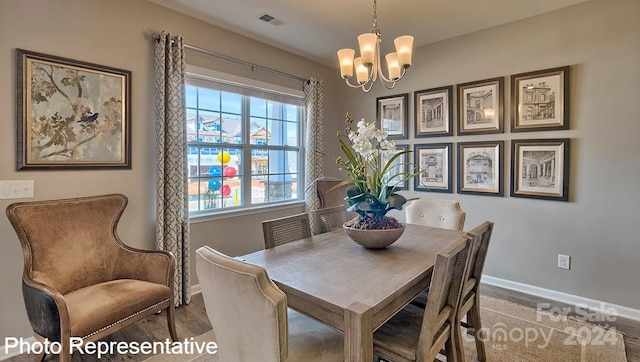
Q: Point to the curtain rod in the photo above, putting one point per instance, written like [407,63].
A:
[243,62]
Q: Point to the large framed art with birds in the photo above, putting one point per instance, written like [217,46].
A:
[71,114]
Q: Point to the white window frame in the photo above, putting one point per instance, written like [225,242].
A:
[248,208]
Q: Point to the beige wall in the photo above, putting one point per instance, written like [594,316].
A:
[117,33]
[600,39]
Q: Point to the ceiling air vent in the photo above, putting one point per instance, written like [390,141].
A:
[270,19]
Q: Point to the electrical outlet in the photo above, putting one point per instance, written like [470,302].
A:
[564,261]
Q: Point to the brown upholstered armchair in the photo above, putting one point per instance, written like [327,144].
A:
[79,279]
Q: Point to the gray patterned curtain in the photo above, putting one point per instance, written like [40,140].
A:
[314,122]
[172,207]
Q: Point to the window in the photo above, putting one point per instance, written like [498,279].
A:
[244,146]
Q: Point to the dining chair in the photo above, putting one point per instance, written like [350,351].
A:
[79,278]
[325,220]
[328,196]
[286,229]
[470,299]
[250,318]
[441,213]
[416,334]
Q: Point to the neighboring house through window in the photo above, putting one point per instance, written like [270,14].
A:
[244,144]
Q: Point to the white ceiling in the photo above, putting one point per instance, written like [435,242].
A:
[316,29]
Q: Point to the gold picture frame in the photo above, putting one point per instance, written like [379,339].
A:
[71,114]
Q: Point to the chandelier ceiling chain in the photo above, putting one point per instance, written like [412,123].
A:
[368,65]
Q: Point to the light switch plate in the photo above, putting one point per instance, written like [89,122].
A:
[16,189]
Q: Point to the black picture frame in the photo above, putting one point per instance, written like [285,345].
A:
[433,112]
[434,162]
[540,100]
[71,114]
[392,115]
[480,168]
[540,168]
[481,106]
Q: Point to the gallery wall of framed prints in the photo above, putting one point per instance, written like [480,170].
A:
[538,168]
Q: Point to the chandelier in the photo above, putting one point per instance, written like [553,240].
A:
[368,66]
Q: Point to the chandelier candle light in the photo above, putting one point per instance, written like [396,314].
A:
[368,64]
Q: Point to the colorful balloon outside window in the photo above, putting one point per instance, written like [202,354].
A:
[224,157]
[226,190]
[229,171]
[214,185]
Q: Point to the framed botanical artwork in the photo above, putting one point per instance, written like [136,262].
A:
[434,112]
[434,163]
[71,114]
[480,169]
[398,169]
[480,107]
[540,169]
[540,100]
[392,115]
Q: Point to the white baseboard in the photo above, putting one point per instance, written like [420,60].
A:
[575,300]
[5,355]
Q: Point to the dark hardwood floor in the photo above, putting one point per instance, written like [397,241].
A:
[191,321]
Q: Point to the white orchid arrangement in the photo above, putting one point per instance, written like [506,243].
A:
[371,194]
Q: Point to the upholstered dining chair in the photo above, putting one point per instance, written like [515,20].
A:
[285,229]
[325,220]
[416,334]
[446,214]
[250,318]
[79,278]
[328,196]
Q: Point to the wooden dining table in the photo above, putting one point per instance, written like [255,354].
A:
[350,288]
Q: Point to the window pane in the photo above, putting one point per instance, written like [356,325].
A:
[277,162]
[231,128]
[257,190]
[292,161]
[258,131]
[191,94]
[277,132]
[192,125]
[208,99]
[291,113]
[259,161]
[258,107]
[292,133]
[231,103]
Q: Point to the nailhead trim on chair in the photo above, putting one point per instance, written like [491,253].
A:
[124,319]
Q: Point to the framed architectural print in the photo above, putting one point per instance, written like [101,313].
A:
[480,169]
[540,169]
[480,107]
[540,100]
[392,115]
[399,168]
[434,112]
[71,114]
[434,163]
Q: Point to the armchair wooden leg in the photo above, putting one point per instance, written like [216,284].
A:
[171,323]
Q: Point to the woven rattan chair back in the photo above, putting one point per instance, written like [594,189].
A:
[286,229]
